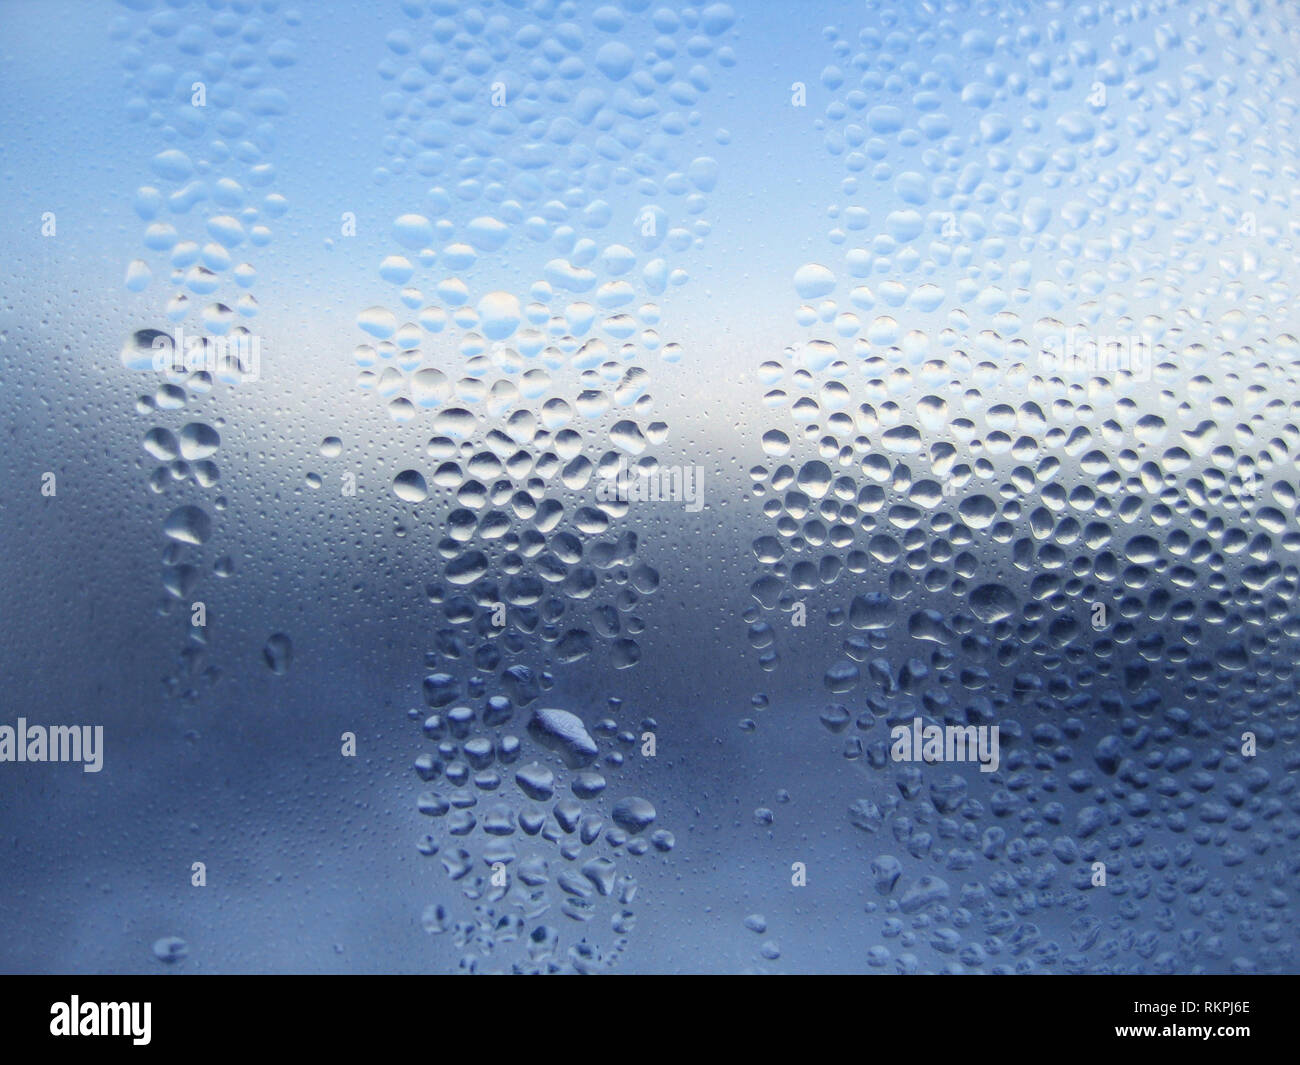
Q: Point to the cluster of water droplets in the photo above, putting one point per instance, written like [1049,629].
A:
[998,526]
[524,829]
[202,78]
[558,154]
